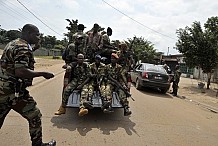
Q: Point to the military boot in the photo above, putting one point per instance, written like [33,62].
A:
[51,143]
[62,110]
[127,112]
[83,112]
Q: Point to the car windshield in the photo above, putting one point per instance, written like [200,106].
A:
[155,68]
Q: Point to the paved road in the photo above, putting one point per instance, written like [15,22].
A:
[157,120]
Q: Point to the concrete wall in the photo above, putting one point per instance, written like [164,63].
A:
[198,74]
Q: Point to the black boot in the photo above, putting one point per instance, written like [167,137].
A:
[51,143]
[127,112]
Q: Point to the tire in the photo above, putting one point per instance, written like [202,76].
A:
[137,85]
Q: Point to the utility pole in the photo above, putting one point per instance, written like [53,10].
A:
[168,51]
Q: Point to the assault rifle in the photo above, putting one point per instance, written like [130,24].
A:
[119,86]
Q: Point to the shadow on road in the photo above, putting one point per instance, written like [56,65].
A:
[106,123]
[154,92]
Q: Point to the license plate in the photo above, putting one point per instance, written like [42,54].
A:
[159,78]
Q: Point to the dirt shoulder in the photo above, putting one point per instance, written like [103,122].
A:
[188,88]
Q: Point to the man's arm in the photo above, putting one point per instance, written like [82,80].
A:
[30,74]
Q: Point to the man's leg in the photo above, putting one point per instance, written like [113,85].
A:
[107,92]
[65,95]
[83,101]
[5,107]
[125,103]
[27,108]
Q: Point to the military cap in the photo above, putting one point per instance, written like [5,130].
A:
[114,55]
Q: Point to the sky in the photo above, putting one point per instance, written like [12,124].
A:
[154,20]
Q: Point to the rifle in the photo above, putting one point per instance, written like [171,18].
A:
[118,85]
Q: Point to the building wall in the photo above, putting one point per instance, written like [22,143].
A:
[198,74]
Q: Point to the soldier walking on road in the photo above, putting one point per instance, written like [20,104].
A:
[176,80]
[16,74]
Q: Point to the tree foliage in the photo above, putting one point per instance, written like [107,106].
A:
[143,49]
[197,47]
[200,46]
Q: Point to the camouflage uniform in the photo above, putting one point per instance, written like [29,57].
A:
[17,54]
[116,73]
[80,73]
[100,73]
[95,44]
[124,59]
[81,33]
[74,50]
[176,80]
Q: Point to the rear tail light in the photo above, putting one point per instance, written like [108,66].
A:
[145,75]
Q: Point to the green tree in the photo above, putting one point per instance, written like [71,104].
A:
[72,28]
[198,47]
[3,36]
[143,49]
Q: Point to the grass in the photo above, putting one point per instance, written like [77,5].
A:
[48,57]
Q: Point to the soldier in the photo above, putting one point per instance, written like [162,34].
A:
[125,60]
[17,73]
[95,42]
[107,47]
[176,80]
[81,75]
[80,29]
[98,80]
[114,73]
[74,49]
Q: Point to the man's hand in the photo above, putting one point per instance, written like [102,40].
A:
[48,75]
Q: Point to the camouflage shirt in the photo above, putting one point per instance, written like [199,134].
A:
[125,59]
[80,72]
[73,51]
[85,38]
[99,71]
[177,75]
[116,73]
[95,41]
[17,54]
[106,39]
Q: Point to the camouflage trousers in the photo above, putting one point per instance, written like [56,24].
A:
[175,87]
[85,92]
[26,107]
[104,92]
[109,89]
